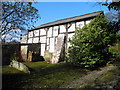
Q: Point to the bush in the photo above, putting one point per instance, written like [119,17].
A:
[14,57]
[90,44]
[47,56]
[8,51]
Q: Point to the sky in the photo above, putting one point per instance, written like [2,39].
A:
[52,11]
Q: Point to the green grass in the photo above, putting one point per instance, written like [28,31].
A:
[112,74]
[42,75]
[10,70]
[111,78]
[115,49]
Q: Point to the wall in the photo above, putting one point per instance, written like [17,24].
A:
[51,38]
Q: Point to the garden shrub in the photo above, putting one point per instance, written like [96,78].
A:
[14,57]
[47,56]
[9,51]
[90,44]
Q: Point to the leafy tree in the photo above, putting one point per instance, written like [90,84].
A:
[90,44]
[114,8]
[17,16]
[112,5]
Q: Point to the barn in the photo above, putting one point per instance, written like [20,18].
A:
[53,37]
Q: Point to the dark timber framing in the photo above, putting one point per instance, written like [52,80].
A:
[67,23]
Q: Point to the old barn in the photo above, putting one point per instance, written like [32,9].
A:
[53,36]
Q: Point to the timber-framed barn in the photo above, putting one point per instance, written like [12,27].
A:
[53,36]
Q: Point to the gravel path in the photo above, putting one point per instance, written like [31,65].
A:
[89,78]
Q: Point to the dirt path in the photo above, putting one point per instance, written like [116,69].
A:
[89,78]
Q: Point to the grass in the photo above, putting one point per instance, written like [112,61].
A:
[111,75]
[111,78]
[42,75]
[108,79]
[115,49]
[10,70]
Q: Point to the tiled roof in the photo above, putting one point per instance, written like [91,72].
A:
[76,18]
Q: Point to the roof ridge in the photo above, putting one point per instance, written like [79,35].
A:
[70,17]
[66,19]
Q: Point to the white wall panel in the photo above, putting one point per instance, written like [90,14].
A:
[49,33]
[48,48]
[43,39]
[24,39]
[48,41]
[42,49]
[36,40]
[62,28]
[72,28]
[80,24]
[88,21]
[30,34]
[55,31]
[30,40]
[52,44]
[36,32]
[42,32]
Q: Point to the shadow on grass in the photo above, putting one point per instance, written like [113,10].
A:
[46,76]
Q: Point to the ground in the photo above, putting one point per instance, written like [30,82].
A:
[97,79]
[44,75]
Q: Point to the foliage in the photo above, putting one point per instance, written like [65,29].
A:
[14,57]
[90,44]
[47,56]
[17,16]
[8,50]
[114,51]
[112,5]
[114,8]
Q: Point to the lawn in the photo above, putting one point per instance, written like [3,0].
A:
[43,75]
[109,80]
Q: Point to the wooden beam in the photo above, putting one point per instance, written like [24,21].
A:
[66,36]
[39,36]
[84,23]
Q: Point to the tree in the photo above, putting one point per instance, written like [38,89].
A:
[17,16]
[90,44]
[114,7]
